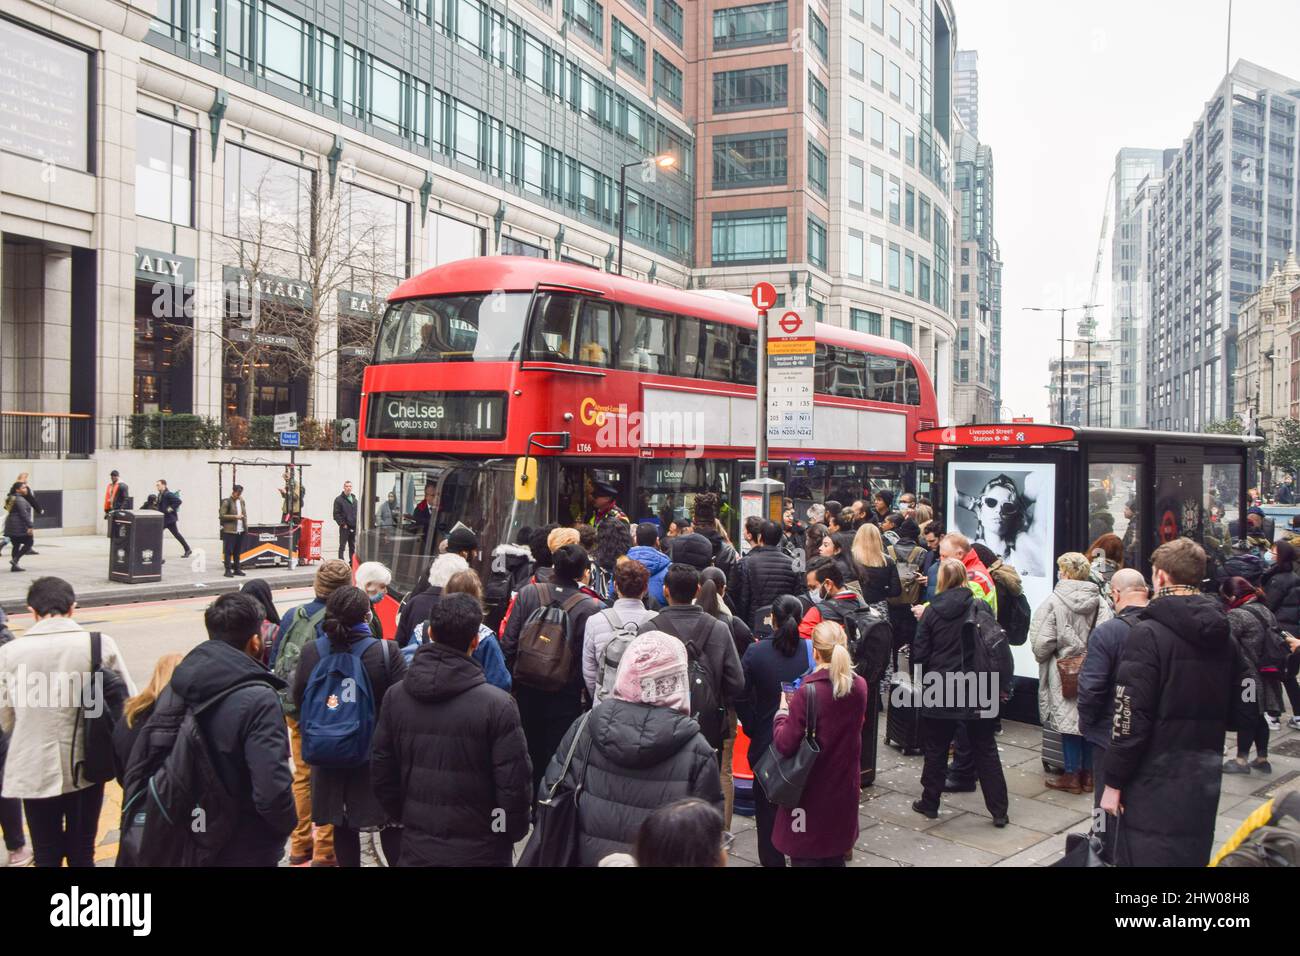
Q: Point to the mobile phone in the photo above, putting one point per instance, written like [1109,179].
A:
[790,688]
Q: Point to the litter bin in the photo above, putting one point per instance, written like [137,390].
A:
[135,547]
[309,541]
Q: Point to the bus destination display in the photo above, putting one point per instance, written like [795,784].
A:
[437,416]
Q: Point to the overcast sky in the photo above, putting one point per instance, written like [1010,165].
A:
[1064,85]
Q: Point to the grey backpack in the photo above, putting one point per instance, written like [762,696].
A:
[624,632]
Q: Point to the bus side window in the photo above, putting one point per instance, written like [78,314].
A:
[688,347]
[883,379]
[596,337]
[913,383]
[746,357]
[717,344]
[850,369]
[645,341]
[555,326]
[823,376]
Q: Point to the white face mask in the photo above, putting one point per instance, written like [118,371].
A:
[816,596]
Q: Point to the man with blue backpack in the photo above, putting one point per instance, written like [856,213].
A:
[342,678]
[300,627]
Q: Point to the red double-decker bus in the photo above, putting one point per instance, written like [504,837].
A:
[502,387]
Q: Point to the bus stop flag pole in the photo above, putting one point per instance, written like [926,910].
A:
[761,496]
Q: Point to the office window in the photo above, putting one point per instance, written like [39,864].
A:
[817,172]
[909,93]
[864,320]
[909,209]
[755,88]
[909,273]
[588,17]
[909,38]
[473,27]
[923,219]
[965,255]
[817,98]
[857,183]
[877,128]
[266,199]
[817,33]
[895,200]
[876,263]
[878,14]
[750,25]
[164,171]
[855,53]
[668,81]
[749,159]
[895,80]
[44,97]
[895,267]
[858,8]
[817,242]
[668,17]
[876,184]
[909,148]
[377,231]
[854,254]
[963,371]
[895,137]
[283,47]
[511,246]
[629,49]
[900,330]
[757,236]
[964,310]
[895,25]
[877,69]
[923,279]
[857,117]
[965,282]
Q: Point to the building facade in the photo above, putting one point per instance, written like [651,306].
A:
[824,135]
[1137,176]
[977,281]
[1088,383]
[966,90]
[219,195]
[1223,216]
[1262,383]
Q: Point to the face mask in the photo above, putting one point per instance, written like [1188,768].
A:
[816,596]
[376,597]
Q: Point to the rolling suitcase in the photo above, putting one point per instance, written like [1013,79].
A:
[1053,751]
[903,716]
[870,737]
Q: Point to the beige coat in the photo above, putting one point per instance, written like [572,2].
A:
[41,676]
[1061,628]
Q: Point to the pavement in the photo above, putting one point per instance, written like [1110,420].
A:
[83,562]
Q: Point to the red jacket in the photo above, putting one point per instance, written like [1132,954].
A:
[814,615]
[977,572]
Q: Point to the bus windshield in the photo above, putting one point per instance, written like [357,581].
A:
[480,327]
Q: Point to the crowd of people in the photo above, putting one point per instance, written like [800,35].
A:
[613,663]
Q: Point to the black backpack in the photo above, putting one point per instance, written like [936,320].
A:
[97,718]
[1275,651]
[176,811]
[871,636]
[1014,615]
[706,705]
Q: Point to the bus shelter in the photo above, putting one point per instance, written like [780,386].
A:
[1032,492]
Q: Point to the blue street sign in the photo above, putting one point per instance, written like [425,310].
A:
[290,440]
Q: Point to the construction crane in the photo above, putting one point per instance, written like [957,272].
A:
[1088,325]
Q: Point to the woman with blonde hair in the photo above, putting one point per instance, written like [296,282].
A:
[944,653]
[825,827]
[1059,635]
[137,711]
[923,516]
[877,571]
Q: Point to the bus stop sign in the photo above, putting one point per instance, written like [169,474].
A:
[763,295]
[995,436]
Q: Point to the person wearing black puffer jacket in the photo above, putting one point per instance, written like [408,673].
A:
[637,751]
[764,574]
[689,547]
[450,760]
[343,796]
[1281,585]
[1178,690]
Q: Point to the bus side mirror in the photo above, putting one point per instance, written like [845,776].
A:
[526,470]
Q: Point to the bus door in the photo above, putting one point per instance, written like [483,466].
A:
[666,489]
[578,479]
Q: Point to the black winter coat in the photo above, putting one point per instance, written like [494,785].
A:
[1096,698]
[945,644]
[449,760]
[249,741]
[766,669]
[760,578]
[879,584]
[1282,595]
[529,601]
[693,549]
[415,611]
[1178,690]
[632,759]
[343,796]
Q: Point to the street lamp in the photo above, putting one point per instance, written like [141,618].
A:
[1061,369]
[663,161]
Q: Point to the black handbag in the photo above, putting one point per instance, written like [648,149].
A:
[554,841]
[784,778]
[102,709]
